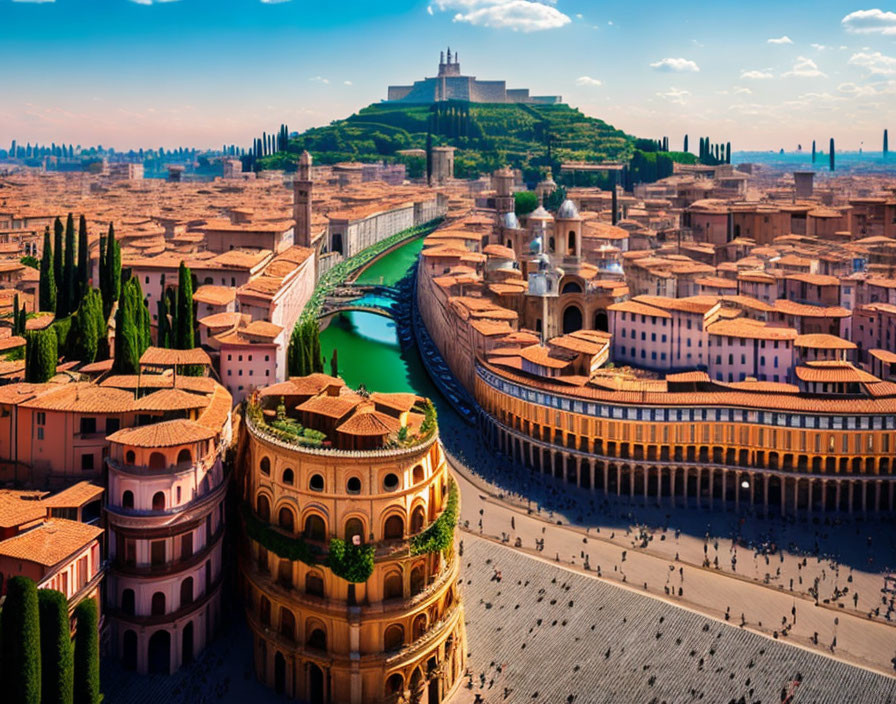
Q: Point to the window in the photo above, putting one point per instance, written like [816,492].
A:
[40,433]
[353,485]
[88,426]
[112,425]
[41,418]
[316,483]
[87,462]
[390,482]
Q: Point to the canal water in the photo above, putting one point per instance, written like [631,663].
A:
[367,346]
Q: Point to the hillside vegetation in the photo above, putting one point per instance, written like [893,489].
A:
[487,136]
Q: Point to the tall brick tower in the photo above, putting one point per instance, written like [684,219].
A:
[302,187]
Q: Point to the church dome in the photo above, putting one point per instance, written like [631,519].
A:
[568,211]
[510,221]
[540,214]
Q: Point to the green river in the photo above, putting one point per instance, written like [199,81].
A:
[367,345]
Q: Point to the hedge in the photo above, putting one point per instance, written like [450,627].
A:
[57,674]
[20,638]
[354,563]
[440,533]
[87,654]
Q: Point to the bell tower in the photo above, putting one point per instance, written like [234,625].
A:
[302,187]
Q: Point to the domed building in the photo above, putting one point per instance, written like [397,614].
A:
[347,566]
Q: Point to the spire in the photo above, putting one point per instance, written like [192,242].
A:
[449,54]
[441,57]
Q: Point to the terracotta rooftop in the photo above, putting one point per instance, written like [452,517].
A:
[74,496]
[833,372]
[161,357]
[83,397]
[215,295]
[369,423]
[20,507]
[170,400]
[823,341]
[330,406]
[51,542]
[750,329]
[169,433]
[787,307]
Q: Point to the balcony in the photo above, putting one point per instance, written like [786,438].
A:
[168,568]
[170,617]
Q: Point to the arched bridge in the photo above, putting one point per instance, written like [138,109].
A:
[376,299]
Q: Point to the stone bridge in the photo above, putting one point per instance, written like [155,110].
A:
[352,297]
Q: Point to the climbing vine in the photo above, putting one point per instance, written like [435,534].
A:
[440,533]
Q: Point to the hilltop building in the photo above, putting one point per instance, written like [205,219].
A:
[377,480]
[450,84]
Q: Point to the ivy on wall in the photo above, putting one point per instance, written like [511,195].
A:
[440,533]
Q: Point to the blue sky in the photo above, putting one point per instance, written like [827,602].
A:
[763,75]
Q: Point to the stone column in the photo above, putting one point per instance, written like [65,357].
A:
[837,494]
[672,472]
[631,482]
[809,499]
[591,473]
[711,487]
[796,496]
[765,494]
[877,487]
[578,471]
[849,495]
[783,496]
[699,485]
[724,487]
[618,480]
[737,476]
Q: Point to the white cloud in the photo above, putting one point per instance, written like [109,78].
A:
[740,90]
[856,90]
[319,79]
[588,81]
[754,75]
[675,65]
[35,2]
[149,2]
[674,95]
[874,62]
[348,83]
[517,15]
[273,2]
[781,40]
[804,68]
[874,21]
[818,47]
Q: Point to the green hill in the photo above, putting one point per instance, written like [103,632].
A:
[487,136]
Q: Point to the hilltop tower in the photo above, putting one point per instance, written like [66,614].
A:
[302,187]
[348,566]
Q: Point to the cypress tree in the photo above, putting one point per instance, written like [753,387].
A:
[163,336]
[57,256]
[83,259]
[89,326]
[47,292]
[886,144]
[110,273]
[429,158]
[41,355]
[20,641]
[69,275]
[131,328]
[87,654]
[685,144]
[57,673]
[317,359]
[728,153]
[185,332]
[813,151]
[832,153]
[16,318]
